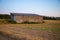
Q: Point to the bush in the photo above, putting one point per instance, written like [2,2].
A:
[26,22]
[14,22]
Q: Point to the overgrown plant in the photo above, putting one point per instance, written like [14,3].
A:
[14,22]
[26,22]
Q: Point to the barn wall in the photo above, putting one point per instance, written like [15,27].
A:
[13,18]
[20,19]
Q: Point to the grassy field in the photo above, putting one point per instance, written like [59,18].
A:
[50,30]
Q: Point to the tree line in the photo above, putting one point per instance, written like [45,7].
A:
[4,16]
[51,18]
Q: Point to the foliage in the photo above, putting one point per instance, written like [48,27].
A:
[49,18]
[4,16]
[14,22]
[26,22]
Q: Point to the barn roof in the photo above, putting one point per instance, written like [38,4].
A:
[24,14]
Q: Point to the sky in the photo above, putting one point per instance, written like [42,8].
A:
[41,7]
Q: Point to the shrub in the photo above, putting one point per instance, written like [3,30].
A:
[14,22]
[26,22]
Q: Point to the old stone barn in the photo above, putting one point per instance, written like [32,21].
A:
[24,17]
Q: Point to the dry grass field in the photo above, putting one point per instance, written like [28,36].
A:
[50,30]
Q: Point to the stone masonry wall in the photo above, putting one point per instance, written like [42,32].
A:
[20,19]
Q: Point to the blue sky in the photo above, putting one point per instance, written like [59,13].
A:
[41,7]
